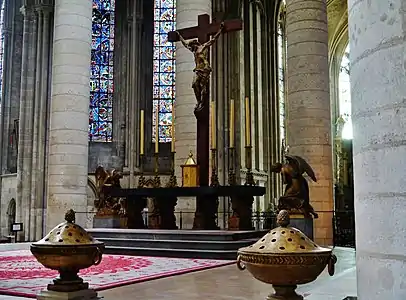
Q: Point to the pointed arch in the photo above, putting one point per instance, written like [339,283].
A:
[11,215]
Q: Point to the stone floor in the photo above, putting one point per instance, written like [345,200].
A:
[228,283]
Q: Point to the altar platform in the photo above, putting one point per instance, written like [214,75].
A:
[210,244]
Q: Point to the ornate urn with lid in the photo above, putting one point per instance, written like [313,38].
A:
[68,248]
[285,257]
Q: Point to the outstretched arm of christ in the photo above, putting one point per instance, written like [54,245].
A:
[215,37]
[184,43]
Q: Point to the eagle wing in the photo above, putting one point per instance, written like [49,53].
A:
[301,165]
[101,176]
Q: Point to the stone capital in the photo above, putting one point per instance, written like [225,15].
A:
[139,18]
[46,9]
[27,11]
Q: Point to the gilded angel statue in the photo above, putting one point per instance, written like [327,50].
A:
[296,195]
[105,203]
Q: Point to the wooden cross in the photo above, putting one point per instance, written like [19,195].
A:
[204,29]
[205,208]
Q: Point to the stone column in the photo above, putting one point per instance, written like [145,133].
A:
[69,115]
[24,160]
[41,114]
[308,103]
[377,42]
[35,179]
[185,121]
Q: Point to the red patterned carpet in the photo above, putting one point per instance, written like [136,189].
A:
[22,275]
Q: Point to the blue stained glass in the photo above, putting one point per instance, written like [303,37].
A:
[166,78]
[166,3]
[163,68]
[166,66]
[102,72]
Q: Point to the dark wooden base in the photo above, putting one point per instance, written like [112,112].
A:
[166,208]
[107,221]
[206,213]
[135,206]
[242,213]
[154,221]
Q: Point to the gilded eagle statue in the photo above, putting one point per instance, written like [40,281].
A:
[106,204]
[296,196]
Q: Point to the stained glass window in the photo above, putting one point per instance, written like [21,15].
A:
[281,42]
[164,69]
[1,46]
[345,94]
[101,78]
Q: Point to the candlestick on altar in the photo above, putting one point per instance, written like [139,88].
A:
[157,130]
[214,181]
[247,122]
[141,179]
[249,180]
[213,125]
[231,123]
[231,149]
[172,178]
[142,132]
[173,182]
[231,168]
[173,130]
[157,179]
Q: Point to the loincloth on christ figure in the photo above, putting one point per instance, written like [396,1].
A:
[203,74]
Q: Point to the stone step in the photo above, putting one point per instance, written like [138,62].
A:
[215,244]
[180,253]
[177,244]
[195,235]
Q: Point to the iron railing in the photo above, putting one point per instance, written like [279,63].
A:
[344,229]
[184,220]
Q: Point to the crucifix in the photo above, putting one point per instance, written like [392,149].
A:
[200,47]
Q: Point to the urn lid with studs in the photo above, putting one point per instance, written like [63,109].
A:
[68,234]
[283,240]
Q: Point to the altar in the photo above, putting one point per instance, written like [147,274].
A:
[165,199]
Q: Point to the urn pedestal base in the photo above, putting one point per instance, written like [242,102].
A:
[286,292]
[87,294]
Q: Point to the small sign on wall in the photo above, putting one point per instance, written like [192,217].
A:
[17,227]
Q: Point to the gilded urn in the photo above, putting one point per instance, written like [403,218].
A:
[68,248]
[285,257]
